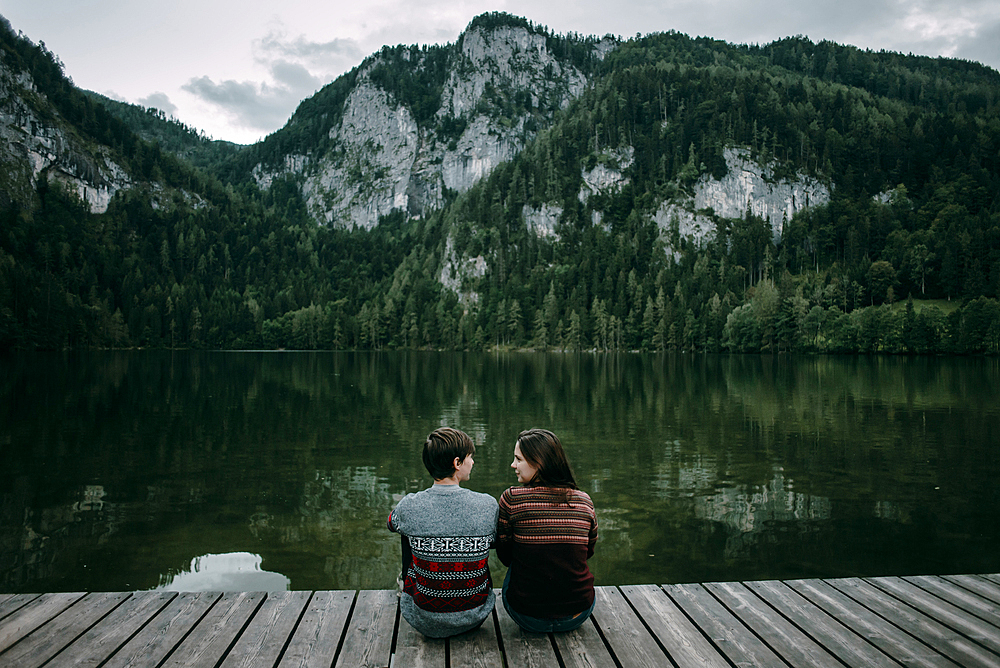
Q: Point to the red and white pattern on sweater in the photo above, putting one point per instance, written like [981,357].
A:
[448,574]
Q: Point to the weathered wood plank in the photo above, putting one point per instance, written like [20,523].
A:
[925,621]
[107,636]
[209,641]
[982,632]
[835,638]
[161,635]
[890,639]
[413,650]
[682,640]
[477,649]
[9,603]
[725,630]
[960,597]
[977,584]
[523,648]
[940,637]
[316,638]
[790,643]
[631,643]
[993,577]
[583,648]
[260,645]
[45,643]
[26,619]
[368,643]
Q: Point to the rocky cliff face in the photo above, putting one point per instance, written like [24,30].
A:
[747,185]
[688,217]
[502,86]
[34,146]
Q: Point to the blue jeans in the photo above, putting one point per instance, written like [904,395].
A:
[536,625]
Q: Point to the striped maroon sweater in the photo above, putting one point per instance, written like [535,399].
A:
[546,542]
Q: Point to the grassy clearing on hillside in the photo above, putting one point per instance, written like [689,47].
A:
[946,306]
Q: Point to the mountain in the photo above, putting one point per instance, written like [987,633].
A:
[39,147]
[411,124]
[520,189]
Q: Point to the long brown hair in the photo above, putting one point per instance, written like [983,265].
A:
[542,449]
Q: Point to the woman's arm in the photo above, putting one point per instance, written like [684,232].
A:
[505,531]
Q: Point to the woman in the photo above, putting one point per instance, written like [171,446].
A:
[545,534]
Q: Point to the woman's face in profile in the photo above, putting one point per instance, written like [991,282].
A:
[525,471]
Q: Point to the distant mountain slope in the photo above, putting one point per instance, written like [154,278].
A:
[172,135]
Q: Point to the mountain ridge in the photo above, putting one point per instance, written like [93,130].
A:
[653,198]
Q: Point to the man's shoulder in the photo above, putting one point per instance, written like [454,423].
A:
[412,501]
[461,495]
[478,501]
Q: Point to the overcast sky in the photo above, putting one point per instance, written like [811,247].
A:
[237,69]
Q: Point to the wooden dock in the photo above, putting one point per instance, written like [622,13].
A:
[886,621]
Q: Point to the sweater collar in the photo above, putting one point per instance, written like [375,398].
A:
[445,489]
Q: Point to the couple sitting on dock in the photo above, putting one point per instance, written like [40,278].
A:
[543,530]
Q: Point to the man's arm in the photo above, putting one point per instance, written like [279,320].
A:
[392,523]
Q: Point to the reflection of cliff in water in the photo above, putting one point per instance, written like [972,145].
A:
[235,571]
[31,538]
[746,512]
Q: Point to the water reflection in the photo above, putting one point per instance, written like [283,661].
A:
[235,571]
[116,468]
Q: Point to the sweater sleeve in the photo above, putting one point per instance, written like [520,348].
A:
[505,537]
[592,538]
[393,522]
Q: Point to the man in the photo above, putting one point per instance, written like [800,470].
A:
[447,532]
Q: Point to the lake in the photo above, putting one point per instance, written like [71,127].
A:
[124,471]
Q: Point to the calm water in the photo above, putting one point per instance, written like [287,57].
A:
[124,471]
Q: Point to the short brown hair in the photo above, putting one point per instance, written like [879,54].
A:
[442,447]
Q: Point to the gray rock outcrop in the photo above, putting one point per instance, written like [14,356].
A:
[383,160]
[34,147]
[747,185]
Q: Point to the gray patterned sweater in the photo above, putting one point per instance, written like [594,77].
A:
[447,532]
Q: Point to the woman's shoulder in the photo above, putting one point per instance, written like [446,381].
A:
[579,496]
[511,493]
[525,492]
[519,493]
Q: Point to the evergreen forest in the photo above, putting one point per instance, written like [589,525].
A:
[903,259]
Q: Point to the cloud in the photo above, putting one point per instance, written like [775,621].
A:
[296,68]
[970,30]
[301,49]
[160,101]
[294,76]
[984,46]
[248,104]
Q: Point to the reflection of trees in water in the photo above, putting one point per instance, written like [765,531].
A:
[688,458]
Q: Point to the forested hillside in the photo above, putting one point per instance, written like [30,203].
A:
[578,242]
[170,134]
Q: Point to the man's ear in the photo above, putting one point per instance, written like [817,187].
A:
[458,462]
